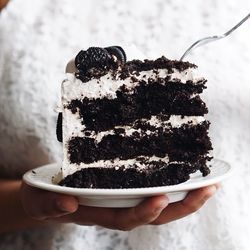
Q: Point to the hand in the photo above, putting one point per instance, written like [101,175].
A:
[45,205]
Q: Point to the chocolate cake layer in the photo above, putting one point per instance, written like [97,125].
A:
[186,143]
[134,66]
[160,63]
[159,174]
[103,114]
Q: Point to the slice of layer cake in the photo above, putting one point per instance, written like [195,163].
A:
[132,124]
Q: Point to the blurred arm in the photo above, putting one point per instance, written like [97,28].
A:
[3,3]
[12,214]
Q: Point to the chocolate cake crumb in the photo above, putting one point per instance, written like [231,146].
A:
[119,130]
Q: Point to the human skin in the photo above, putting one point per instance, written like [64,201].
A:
[22,206]
[3,3]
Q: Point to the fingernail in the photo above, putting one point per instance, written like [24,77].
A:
[61,206]
[164,202]
[213,190]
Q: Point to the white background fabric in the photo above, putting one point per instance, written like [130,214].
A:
[37,38]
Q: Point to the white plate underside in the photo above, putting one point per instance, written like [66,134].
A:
[41,177]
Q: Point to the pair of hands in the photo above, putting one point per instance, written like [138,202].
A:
[48,206]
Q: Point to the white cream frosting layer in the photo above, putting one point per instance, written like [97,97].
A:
[71,168]
[74,128]
[106,86]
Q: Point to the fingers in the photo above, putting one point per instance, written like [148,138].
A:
[193,202]
[144,213]
[123,218]
[154,211]
[41,205]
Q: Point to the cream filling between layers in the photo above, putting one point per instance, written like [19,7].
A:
[106,86]
[74,128]
[115,163]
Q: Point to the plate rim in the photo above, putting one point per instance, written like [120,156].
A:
[126,191]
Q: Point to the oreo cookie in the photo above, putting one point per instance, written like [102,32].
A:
[59,128]
[96,61]
[93,57]
[118,52]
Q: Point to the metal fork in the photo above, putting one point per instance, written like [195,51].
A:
[209,39]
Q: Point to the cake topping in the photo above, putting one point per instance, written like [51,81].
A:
[118,52]
[92,57]
[96,62]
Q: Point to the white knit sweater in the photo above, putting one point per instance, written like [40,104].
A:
[37,38]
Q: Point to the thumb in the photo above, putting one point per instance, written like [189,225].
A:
[40,204]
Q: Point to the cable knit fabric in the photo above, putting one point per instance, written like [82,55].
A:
[37,38]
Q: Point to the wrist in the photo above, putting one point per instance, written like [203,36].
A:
[12,215]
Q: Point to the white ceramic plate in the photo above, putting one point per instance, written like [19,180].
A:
[41,177]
